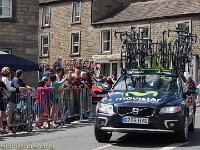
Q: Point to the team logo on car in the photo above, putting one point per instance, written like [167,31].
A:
[138,99]
[135,111]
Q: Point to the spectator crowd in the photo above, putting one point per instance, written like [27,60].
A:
[46,92]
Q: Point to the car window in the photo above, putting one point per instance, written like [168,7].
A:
[147,83]
[121,84]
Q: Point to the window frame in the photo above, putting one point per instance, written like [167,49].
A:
[73,19]
[11,10]
[140,34]
[103,41]
[44,46]
[185,22]
[77,44]
[43,24]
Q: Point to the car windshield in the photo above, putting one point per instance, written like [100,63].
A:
[144,83]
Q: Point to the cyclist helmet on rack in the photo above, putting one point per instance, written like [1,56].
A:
[5,71]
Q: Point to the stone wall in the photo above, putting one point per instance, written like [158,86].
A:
[20,34]
[155,27]
[61,28]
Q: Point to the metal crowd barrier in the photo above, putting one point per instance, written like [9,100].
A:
[18,111]
[61,106]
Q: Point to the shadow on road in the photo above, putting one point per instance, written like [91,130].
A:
[43,131]
[193,139]
[25,134]
[143,140]
[154,140]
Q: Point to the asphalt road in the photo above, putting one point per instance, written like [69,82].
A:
[81,137]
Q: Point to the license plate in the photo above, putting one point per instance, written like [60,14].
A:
[101,95]
[134,120]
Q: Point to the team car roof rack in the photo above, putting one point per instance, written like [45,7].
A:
[139,52]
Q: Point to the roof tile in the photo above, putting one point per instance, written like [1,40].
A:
[154,9]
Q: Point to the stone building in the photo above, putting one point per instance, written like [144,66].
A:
[19,30]
[64,30]
[154,16]
[86,28]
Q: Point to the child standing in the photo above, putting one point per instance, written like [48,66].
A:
[56,93]
[39,103]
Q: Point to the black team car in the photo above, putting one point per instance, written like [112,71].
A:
[146,101]
[152,94]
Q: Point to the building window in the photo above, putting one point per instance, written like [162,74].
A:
[76,12]
[45,45]
[144,32]
[5,8]
[105,41]
[6,50]
[75,38]
[184,26]
[45,16]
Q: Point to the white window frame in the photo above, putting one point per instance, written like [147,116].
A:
[75,44]
[6,50]
[148,34]
[184,22]
[105,41]
[44,46]
[8,7]
[76,14]
[46,9]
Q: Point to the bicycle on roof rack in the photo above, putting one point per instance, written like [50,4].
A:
[140,52]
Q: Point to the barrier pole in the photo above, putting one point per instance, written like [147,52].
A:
[71,100]
[81,104]
[29,124]
[90,100]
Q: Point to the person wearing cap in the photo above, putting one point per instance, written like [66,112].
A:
[16,82]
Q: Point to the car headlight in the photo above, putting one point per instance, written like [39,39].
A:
[105,108]
[170,109]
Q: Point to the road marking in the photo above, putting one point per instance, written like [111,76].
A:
[103,147]
[172,146]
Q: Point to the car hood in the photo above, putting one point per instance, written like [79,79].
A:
[150,98]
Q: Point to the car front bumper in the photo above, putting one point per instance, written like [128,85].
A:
[139,130]
[167,123]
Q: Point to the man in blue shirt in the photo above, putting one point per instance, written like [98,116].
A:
[16,82]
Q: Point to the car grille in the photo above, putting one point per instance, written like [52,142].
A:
[98,92]
[142,111]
